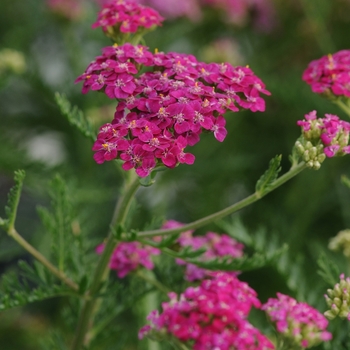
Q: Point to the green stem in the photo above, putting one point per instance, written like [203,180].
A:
[343,106]
[229,210]
[41,258]
[152,281]
[101,272]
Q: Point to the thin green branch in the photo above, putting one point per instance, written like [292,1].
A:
[100,275]
[41,258]
[229,210]
[343,106]
[160,286]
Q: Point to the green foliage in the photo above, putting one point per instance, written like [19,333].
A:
[328,270]
[346,181]
[75,116]
[67,240]
[27,286]
[270,175]
[13,200]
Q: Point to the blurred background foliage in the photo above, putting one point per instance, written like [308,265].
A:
[43,51]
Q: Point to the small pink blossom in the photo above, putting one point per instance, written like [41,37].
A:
[127,16]
[211,316]
[128,256]
[299,322]
[331,132]
[330,74]
[216,246]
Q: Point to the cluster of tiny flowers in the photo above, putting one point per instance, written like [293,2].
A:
[216,246]
[330,74]
[122,16]
[341,242]
[299,323]
[322,137]
[165,109]
[129,256]
[210,316]
[338,299]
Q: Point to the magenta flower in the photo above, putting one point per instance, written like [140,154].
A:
[330,74]
[165,109]
[126,16]
[298,322]
[322,137]
[129,256]
[216,246]
[210,316]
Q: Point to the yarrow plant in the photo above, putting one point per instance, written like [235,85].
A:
[161,112]
[210,316]
[165,102]
[301,326]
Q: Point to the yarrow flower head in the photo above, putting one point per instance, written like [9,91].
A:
[341,242]
[338,299]
[330,75]
[299,323]
[129,256]
[210,316]
[215,246]
[120,17]
[321,138]
[165,109]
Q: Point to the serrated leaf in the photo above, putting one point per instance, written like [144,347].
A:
[246,263]
[13,200]
[26,287]
[75,116]
[328,270]
[269,176]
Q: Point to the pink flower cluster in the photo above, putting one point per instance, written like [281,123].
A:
[165,109]
[333,132]
[237,12]
[330,74]
[128,256]
[211,316]
[216,246]
[338,299]
[299,322]
[126,16]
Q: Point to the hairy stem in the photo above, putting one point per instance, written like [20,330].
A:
[41,258]
[100,275]
[229,210]
[343,106]
[152,281]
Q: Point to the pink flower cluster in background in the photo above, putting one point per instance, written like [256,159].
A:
[127,16]
[165,109]
[211,316]
[299,322]
[70,9]
[216,246]
[128,256]
[333,132]
[237,12]
[330,74]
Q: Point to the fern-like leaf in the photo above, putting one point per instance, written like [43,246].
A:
[269,176]
[13,200]
[75,116]
[328,270]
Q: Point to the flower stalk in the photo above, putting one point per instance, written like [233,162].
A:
[229,210]
[90,305]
